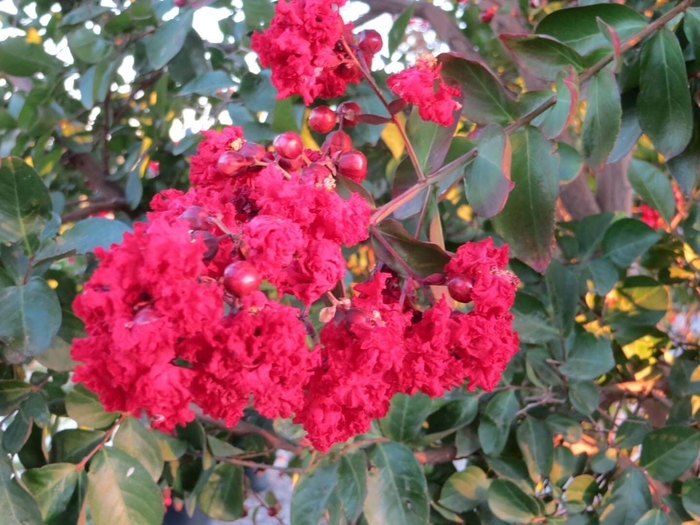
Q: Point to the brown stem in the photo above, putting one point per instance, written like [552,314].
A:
[259,466]
[108,435]
[82,213]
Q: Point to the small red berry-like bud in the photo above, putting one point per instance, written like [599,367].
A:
[232,163]
[241,278]
[272,511]
[197,217]
[347,71]
[290,164]
[210,242]
[180,3]
[322,119]
[288,145]
[349,113]
[487,16]
[353,165]
[370,41]
[252,151]
[337,142]
[460,288]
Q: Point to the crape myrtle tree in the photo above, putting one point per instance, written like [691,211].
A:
[451,269]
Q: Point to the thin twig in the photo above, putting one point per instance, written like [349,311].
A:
[108,435]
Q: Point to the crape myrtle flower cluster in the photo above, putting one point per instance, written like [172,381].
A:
[193,308]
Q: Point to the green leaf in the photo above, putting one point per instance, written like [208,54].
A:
[134,189]
[95,83]
[17,506]
[603,119]
[351,489]
[12,393]
[654,517]
[494,426]
[668,452]
[312,494]
[569,429]
[535,442]
[653,187]
[640,301]
[20,58]
[451,416]
[628,501]
[208,84]
[171,448]
[509,503]
[398,249]
[398,29]
[580,493]
[141,444]
[221,496]
[258,13]
[589,232]
[406,416]
[691,497]
[88,46]
[532,322]
[85,236]
[626,240]
[555,120]
[631,432]
[30,316]
[71,446]
[487,178]
[120,491]
[578,28]
[665,111]
[584,396]
[485,99]
[17,432]
[53,487]
[562,288]
[588,358]
[284,117]
[431,142]
[25,203]
[685,167]
[691,29]
[168,39]
[83,406]
[396,487]
[464,490]
[544,56]
[222,449]
[526,222]
[604,460]
[629,128]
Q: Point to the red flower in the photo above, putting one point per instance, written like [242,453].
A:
[423,86]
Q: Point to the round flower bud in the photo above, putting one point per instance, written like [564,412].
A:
[210,242]
[232,163]
[353,165]
[288,145]
[197,217]
[241,278]
[349,113]
[322,119]
[460,288]
[370,42]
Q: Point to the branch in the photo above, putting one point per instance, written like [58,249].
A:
[93,172]
[83,213]
[108,435]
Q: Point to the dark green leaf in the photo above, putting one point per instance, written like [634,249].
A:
[396,487]
[451,416]
[584,396]
[134,189]
[485,99]
[653,187]
[37,408]
[17,506]
[141,444]
[604,460]
[640,301]
[398,29]
[221,496]
[580,493]
[691,497]
[654,517]
[556,120]
[406,416]
[494,426]
[509,503]
[53,487]
[83,406]
[25,203]
[222,449]
[527,220]
[312,493]
[626,240]
[631,432]
[71,446]
[88,46]
[168,39]
[668,452]
[95,83]
[351,489]
[629,128]
[685,167]
[535,442]
[665,111]
[588,358]
[85,236]
[562,288]
[464,490]
[120,491]
[171,448]
[30,316]
[531,321]
[20,58]
[487,179]
[603,119]
[17,432]
[629,500]
[12,393]
[544,56]
[578,27]
[258,13]
[208,84]
[569,429]
[430,141]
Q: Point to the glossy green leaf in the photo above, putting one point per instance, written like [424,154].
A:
[351,489]
[451,416]
[641,301]
[487,179]
[140,443]
[84,236]
[588,358]
[668,452]
[665,111]
[406,416]
[25,203]
[569,428]
[312,493]
[258,13]
[72,445]
[691,497]
[398,29]
[494,425]
[631,432]
[430,141]
[12,393]
[555,121]
[509,503]
[464,490]
[88,46]
[544,56]
[485,99]
[603,119]
[685,167]
[120,491]
[221,497]
[578,28]
[562,288]
[95,83]
[208,84]
[222,449]
[535,442]
[629,500]
[532,322]
[17,506]
[17,433]
[396,487]
[30,316]
[53,487]
[654,517]
[526,222]
[626,240]
[168,39]
[20,58]
[83,406]
[653,187]
[580,493]
[584,396]
[629,128]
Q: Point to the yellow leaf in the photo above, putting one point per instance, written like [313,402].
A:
[306,137]
[33,36]
[392,137]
